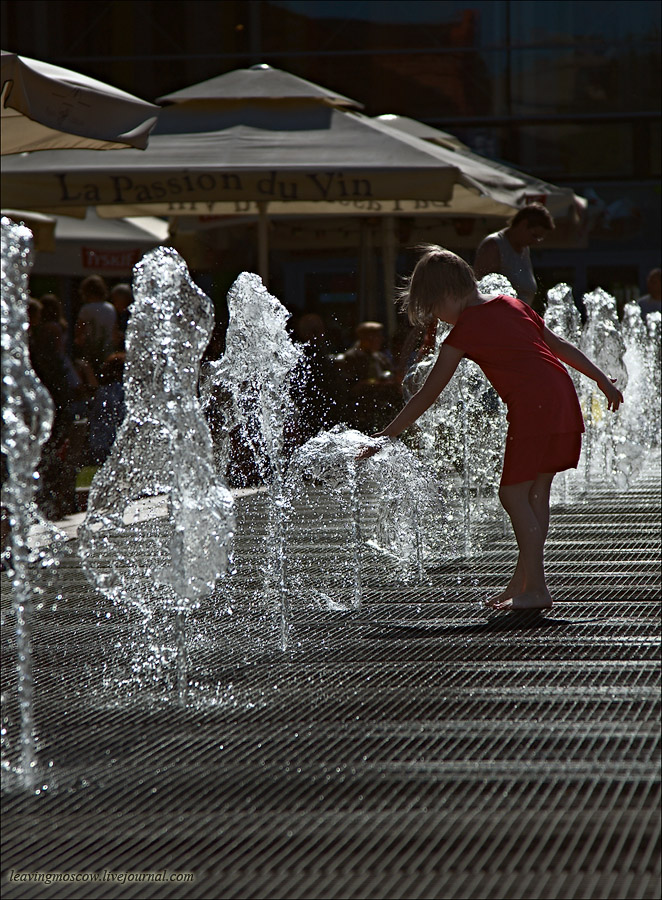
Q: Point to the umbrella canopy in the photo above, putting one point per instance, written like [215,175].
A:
[213,154]
[46,107]
[260,82]
[108,247]
[261,141]
[560,201]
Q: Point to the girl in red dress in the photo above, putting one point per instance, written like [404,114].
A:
[523,360]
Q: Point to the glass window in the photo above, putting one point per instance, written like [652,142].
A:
[655,147]
[458,42]
[624,214]
[422,86]
[482,21]
[585,79]
[577,150]
[494,142]
[548,21]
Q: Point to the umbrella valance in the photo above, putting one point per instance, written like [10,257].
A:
[45,107]
[262,141]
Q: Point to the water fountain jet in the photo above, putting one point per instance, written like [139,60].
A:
[158,530]
[255,374]
[27,418]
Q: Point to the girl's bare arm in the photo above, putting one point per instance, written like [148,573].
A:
[574,357]
[440,374]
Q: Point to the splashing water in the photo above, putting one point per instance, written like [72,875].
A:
[635,420]
[493,283]
[323,475]
[604,457]
[27,418]
[412,520]
[564,319]
[388,503]
[562,316]
[158,533]
[255,375]
[654,328]
[159,523]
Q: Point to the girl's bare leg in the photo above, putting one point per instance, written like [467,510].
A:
[527,504]
[539,500]
[539,493]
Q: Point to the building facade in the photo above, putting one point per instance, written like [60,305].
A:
[567,90]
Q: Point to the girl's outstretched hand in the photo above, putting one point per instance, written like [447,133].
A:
[370,450]
[611,392]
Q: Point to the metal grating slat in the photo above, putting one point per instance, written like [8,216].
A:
[409,749]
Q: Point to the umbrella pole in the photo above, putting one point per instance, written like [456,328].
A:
[389,266]
[366,280]
[263,243]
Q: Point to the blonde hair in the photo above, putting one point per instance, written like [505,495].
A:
[438,274]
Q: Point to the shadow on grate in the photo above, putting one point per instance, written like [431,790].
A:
[413,748]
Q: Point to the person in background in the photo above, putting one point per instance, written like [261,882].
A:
[365,359]
[52,339]
[107,409]
[50,360]
[51,311]
[53,356]
[371,387]
[94,336]
[316,382]
[506,252]
[121,297]
[652,301]
[55,494]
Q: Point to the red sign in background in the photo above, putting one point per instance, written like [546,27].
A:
[108,260]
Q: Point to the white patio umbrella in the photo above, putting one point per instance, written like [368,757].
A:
[257,136]
[46,107]
[108,247]
[263,142]
[220,153]
[41,226]
[561,201]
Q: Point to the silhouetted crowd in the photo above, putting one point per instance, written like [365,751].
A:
[359,386]
[82,369]
[81,364]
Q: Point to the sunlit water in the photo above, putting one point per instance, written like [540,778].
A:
[158,530]
[255,378]
[27,418]
[388,505]
[604,457]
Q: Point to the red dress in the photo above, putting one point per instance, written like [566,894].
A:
[505,338]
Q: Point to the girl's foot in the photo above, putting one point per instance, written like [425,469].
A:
[515,588]
[527,600]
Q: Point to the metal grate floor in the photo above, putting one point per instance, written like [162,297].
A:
[409,749]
